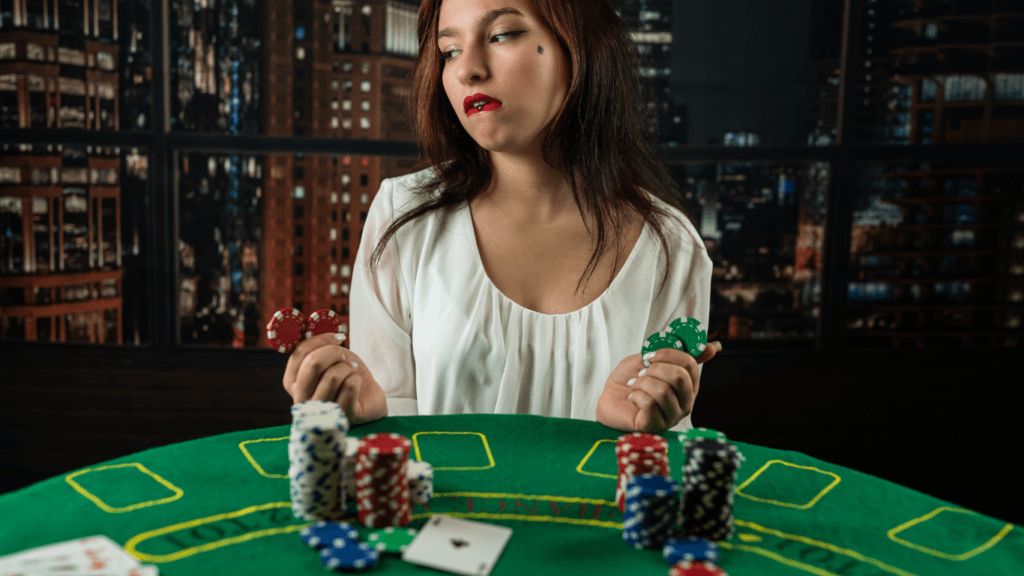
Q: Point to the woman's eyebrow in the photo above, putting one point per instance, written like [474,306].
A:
[484,20]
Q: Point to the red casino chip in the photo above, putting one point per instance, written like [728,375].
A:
[639,442]
[382,492]
[285,330]
[324,321]
[627,472]
[636,454]
[686,568]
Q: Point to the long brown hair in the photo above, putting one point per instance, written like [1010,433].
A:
[603,148]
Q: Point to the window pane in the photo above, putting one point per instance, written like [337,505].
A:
[937,256]
[239,257]
[73,244]
[769,77]
[938,73]
[85,66]
[215,78]
[312,68]
[763,226]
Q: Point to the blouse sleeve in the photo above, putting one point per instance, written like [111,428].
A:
[695,300]
[380,313]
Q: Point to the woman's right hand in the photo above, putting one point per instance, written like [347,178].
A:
[321,369]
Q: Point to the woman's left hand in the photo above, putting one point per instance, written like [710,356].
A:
[655,398]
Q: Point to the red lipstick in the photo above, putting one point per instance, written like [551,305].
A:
[471,104]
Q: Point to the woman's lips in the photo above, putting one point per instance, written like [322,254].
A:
[487,108]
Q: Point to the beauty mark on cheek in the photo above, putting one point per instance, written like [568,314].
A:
[540,50]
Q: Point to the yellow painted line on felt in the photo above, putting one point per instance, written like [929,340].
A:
[70,479]
[487,448]
[557,519]
[580,469]
[824,545]
[130,545]
[946,556]
[777,557]
[819,496]
[252,460]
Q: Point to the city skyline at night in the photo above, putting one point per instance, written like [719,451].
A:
[258,232]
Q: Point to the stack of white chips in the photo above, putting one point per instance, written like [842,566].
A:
[348,467]
[315,451]
[421,482]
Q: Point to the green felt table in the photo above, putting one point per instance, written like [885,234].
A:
[220,505]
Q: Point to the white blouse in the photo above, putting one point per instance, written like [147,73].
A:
[440,338]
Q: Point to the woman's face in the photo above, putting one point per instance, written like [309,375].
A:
[513,59]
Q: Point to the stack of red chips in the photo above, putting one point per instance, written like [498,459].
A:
[382,492]
[637,454]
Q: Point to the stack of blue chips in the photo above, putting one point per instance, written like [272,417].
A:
[339,545]
[652,503]
[690,549]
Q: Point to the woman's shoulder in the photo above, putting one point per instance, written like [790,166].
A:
[406,196]
[399,193]
[680,232]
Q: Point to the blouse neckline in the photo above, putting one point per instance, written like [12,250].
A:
[468,221]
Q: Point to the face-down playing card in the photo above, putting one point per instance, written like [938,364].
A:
[458,546]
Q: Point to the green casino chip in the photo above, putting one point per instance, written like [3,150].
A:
[393,540]
[698,433]
[691,334]
[661,340]
[701,433]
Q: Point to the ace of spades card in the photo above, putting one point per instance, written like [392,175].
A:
[458,546]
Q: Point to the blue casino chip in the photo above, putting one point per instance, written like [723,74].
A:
[652,505]
[356,555]
[325,534]
[691,549]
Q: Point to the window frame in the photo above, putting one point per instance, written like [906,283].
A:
[165,146]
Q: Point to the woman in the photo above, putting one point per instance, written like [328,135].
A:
[512,274]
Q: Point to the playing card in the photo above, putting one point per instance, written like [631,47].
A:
[91,556]
[458,546]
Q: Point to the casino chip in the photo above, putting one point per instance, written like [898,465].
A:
[348,467]
[691,334]
[420,478]
[351,555]
[658,341]
[382,487]
[315,450]
[652,504]
[690,549]
[285,330]
[323,322]
[696,569]
[698,433]
[707,489]
[701,433]
[637,453]
[324,534]
[391,539]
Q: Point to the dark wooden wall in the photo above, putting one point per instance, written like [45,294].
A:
[946,424]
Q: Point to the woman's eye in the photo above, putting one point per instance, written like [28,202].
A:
[446,56]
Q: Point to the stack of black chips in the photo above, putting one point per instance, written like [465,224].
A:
[709,476]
